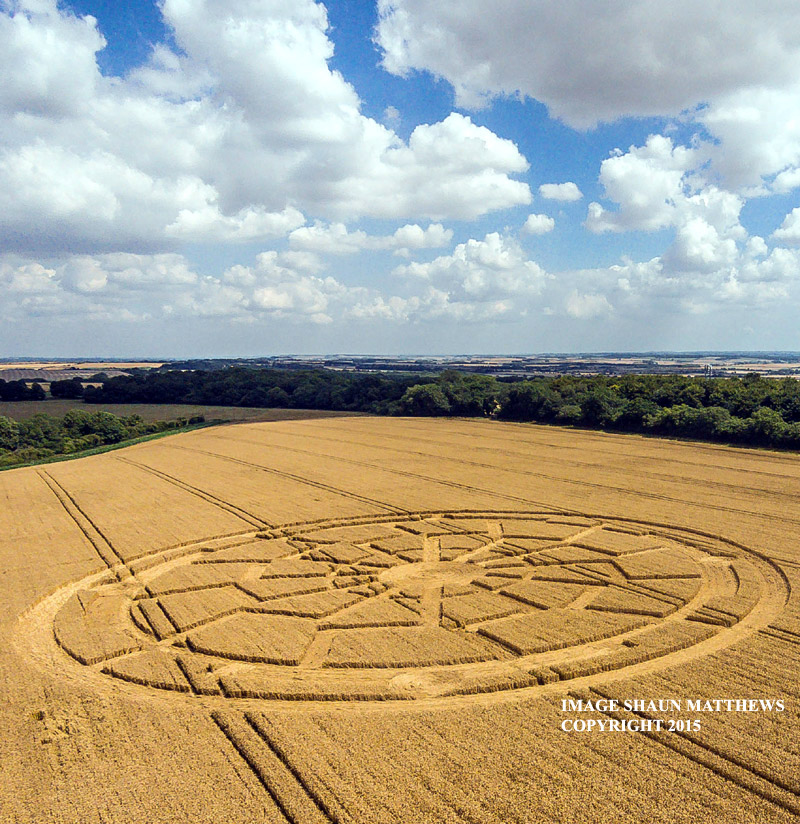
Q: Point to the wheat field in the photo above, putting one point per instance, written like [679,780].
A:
[371,620]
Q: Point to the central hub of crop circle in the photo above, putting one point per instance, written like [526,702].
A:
[435,572]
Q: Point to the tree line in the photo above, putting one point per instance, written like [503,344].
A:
[268,388]
[45,436]
[750,410]
[20,391]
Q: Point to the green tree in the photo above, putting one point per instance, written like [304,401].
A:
[67,389]
[277,397]
[9,433]
[425,399]
[766,426]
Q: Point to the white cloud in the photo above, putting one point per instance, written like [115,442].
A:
[731,66]
[757,134]
[412,236]
[646,181]
[749,276]
[431,306]
[84,274]
[336,239]
[208,224]
[657,186]
[127,287]
[451,169]
[590,61]
[486,270]
[786,181]
[567,192]
[538,224]
[302,261]
[22,277]
[699,247]
[586,306]
[230,140]
[789,230]
[46,61]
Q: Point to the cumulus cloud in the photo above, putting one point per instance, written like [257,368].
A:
[128,286]
[232,138]
[658,186]
[277,285]
[680,59]
[491,269]
[26,277]
[47,61]
[567,192]
[789,230]
[786,181]
[538,224]
[700,247]
[431,305]
[645,58]
[451,169]
[391,114]
[586,306]
[336,239]
[251,223]
[711,259]
[757,135]
[646,182]
[749,275]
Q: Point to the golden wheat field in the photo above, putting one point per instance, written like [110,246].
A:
[365,620]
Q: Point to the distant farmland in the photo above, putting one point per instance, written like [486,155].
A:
[23,410]
[363,619]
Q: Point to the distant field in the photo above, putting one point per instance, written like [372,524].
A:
[95,365]
[65,370]
[22,410]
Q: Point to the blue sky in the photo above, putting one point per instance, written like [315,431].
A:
[405,177]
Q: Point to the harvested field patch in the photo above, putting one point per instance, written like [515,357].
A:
[478,607]
[185,578]
[556,629]
[155,667]
[251,552]
[544,594]
[296,568]
[268,589]
[658,563]
[615,599]
[373,613]
[398,647]
[683,589]
[614,542]
[92,627]
[314,605]
[272,639]
[190,609]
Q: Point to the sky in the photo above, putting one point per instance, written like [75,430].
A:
[191,178]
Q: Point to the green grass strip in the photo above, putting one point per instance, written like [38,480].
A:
[97,450]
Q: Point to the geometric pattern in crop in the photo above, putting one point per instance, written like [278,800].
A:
[417,607]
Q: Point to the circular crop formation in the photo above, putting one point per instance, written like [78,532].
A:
[422,606]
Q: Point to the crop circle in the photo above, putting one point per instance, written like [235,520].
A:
[423,606]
